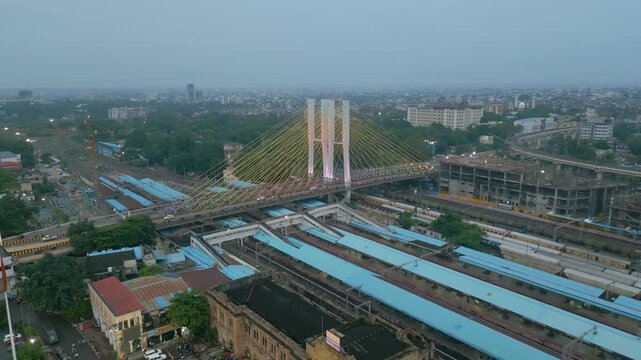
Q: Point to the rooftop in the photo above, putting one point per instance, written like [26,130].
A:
[5,154]
[100,263]
[203,280]
[286,311]
[117,297]
[155,292]
[369,342]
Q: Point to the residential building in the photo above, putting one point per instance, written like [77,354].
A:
[452,117]
[118,315]
[117,263]
[133,314]
[500,181]
[598,129]
[127,113]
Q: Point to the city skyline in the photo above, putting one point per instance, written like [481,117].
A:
[380,45]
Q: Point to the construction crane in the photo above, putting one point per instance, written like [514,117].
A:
[91,153]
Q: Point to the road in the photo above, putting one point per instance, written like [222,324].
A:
[67,334]
[515,146]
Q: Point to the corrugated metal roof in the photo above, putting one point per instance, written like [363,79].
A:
[155,292]
[118,297]
[459,327]
[203,280]
[236,272]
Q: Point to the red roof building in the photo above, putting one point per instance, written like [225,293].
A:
[117,296]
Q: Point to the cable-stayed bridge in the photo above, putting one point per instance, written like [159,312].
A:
[324,148]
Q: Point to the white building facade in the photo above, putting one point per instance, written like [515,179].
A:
[452,117]
[595,131]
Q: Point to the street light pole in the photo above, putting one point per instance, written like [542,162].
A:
[13,341]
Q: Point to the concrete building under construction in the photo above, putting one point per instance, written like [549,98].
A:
[526,185]
[626,211]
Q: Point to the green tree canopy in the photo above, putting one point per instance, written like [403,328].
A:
[54,283]
[191,310]
[134,231]
[151,270]
[30,352]
[7,181]
[458,232]
[634,145]
[15,215]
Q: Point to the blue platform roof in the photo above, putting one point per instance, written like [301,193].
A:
[609,338]
[553,283]
[236,272]
[240,184]
[309,204]
[418,237]
[116,205]
[154,188]
[201,258]
[143,201]
[459,327]
[278,211]
[233,222]
[137,251]
[628,302]
[218,189]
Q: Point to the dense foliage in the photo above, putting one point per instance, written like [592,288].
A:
[458,232]
[561,145]
[134,231]
[54,283]
[8,182]
[79,310]
[14,215]
[151,270]
[30,352]
[191,310]
[42,189]
[634,145]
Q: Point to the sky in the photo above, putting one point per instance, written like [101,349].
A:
[319,44]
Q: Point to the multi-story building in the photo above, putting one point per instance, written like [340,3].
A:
[10,161]
[498,108]
[258,318]
[531,125]
[191,93]
[133,314]
[127,113]
[595,130]
[519,184]
[453,117]
[118,315]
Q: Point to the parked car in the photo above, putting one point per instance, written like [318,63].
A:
[16,337]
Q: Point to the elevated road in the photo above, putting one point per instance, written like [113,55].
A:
[30,246]
[515,144]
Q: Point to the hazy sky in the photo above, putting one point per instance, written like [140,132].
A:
[321,43]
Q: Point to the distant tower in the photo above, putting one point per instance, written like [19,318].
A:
[191,93]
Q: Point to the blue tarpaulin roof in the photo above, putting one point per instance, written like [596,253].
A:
[459,327]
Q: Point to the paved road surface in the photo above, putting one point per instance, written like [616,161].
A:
[67,334]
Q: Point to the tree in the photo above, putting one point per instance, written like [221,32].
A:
[54,283]
[58,215]
[44,188]
[79,310]
[456,231]
[134,231]
[14,215]
[81,236]
[151,270]
[7,181]
[30,352]
[191,310]
[634,145]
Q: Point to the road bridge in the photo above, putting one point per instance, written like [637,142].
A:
[516,144]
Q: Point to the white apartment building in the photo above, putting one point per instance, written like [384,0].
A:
[453,117]
[595,131]
[126,113]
